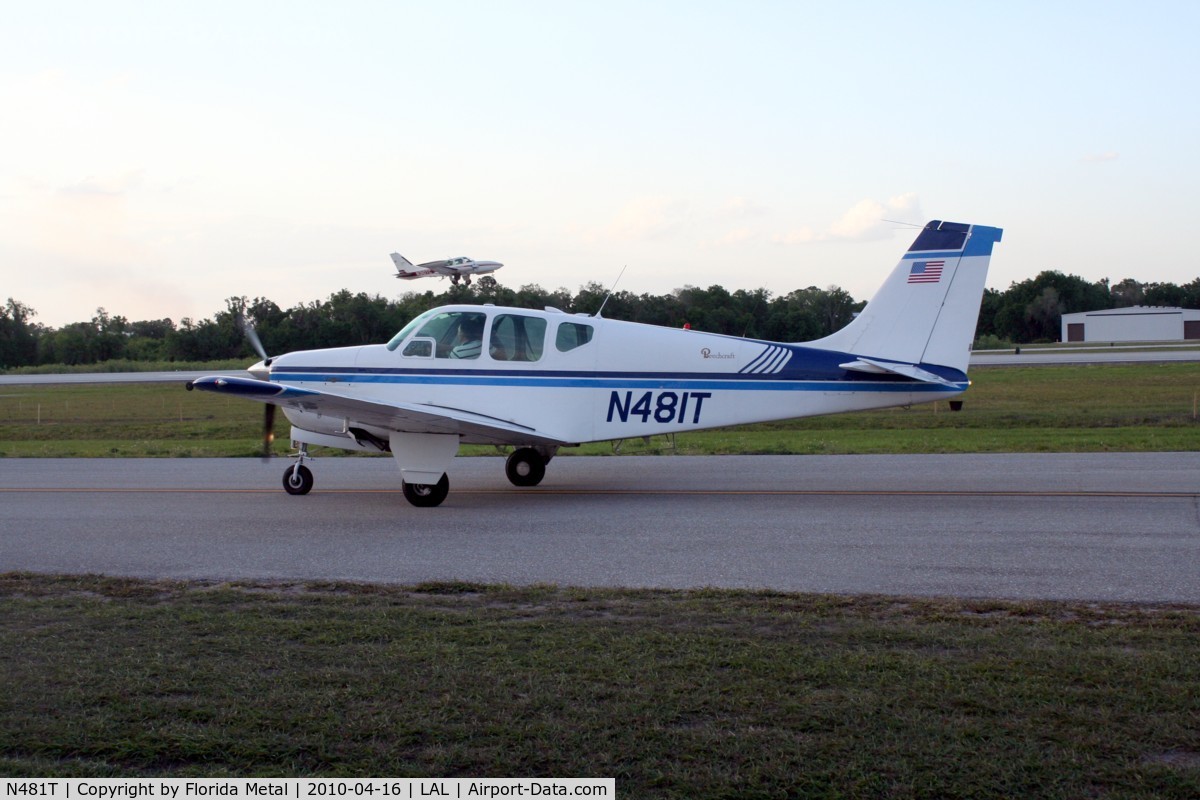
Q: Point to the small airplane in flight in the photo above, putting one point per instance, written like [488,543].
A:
[456,268]
[543,380]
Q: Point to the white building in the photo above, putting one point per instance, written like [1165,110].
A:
[1133,324]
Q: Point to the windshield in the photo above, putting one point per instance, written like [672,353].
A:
[407,329]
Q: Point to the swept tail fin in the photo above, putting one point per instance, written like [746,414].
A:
[926,311]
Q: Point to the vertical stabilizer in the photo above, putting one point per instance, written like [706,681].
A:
[926,311]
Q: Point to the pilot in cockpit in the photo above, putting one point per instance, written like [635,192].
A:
[470,339]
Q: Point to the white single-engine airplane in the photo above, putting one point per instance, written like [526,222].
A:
[541,380]
[461,267]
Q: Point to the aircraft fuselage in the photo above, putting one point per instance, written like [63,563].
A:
[626,380]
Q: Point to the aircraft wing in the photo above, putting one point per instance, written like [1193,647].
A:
[407,417]
[462,266]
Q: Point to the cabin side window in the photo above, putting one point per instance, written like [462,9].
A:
[572,335]
[419,348]
[516,337]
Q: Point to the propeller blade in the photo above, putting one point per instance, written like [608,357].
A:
[251,334]
[268,430]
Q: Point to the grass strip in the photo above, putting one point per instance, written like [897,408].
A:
[676,694]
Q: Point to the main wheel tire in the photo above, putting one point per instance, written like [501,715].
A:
[427,495]
[298,480]
[525,467]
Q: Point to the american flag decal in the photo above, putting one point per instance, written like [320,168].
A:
[926,272]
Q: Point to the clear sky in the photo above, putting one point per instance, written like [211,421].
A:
[159,157]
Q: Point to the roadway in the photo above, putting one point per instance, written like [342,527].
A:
[1112,527]
[1062,356]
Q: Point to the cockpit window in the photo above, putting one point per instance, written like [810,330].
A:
[456,334]
[395,341]
[572,335]
[459,334]
[516,337]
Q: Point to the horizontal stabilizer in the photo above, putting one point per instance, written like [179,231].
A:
[907,370]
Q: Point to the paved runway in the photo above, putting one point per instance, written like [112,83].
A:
[1097,526]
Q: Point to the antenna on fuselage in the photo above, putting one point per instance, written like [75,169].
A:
[610,291]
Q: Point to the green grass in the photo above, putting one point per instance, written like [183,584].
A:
[1142,407]
[143,419]
[675,694]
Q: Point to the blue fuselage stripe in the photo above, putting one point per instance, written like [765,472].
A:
[530,381]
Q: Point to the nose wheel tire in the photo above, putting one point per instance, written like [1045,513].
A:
[297,480]
[525,467]
[427,495]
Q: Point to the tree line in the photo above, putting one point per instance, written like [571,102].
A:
[1028,311]
[1031,311]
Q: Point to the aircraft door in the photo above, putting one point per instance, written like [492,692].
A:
[575,351]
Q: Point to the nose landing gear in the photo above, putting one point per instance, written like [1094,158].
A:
[298,479]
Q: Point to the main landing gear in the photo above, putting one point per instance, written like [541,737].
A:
[526,467]
[427,495]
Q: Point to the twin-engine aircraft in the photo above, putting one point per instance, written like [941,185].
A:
[456,268]
[541,380]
